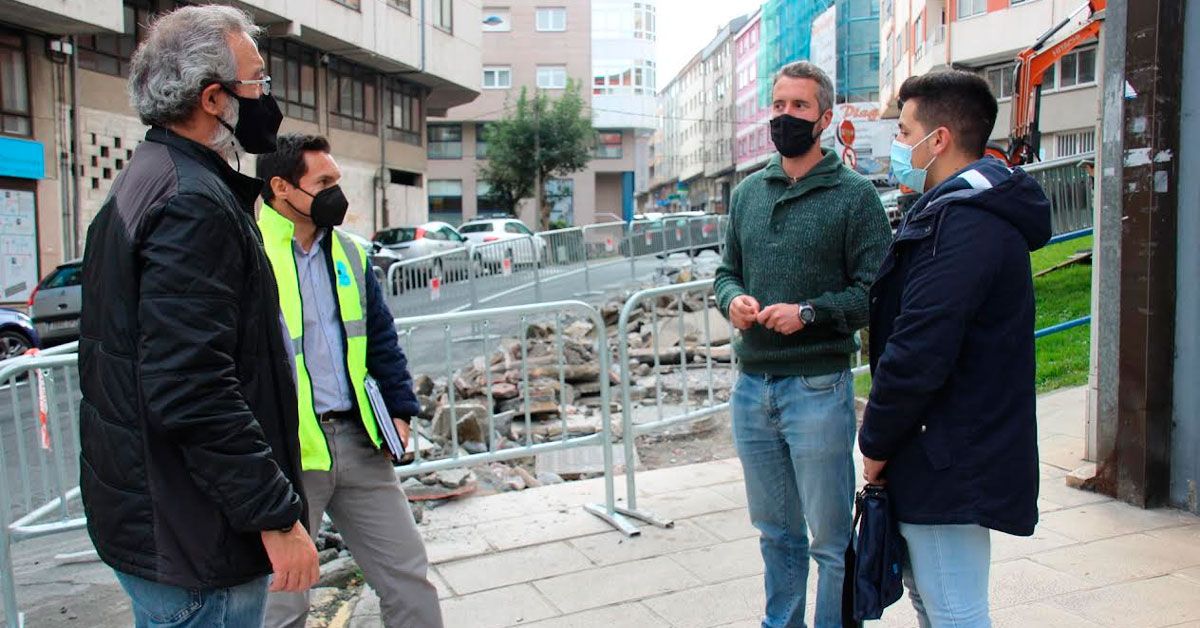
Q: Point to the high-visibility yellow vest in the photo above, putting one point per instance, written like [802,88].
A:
[350,264]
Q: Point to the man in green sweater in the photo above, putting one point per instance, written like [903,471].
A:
[806,237]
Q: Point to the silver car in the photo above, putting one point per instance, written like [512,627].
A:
[434,245]
[422,240]
[56,302]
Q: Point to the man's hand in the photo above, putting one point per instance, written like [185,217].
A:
[405,432]
[403,429]
[873,471]
[744,311]
[783,318]
[293,559]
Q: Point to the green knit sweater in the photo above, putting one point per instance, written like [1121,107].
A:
[819,241]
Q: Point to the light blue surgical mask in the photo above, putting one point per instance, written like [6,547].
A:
[902,167]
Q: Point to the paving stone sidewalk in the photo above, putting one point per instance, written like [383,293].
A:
[535,558]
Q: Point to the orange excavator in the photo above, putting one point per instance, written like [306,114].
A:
[1024,138]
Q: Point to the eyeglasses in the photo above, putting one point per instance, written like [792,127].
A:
[264,82]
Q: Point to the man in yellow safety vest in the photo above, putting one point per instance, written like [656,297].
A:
[340,332]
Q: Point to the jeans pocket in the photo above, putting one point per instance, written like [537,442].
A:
[161,603]
[821,383]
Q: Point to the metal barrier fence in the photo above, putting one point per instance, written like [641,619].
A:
[687,345]
[433,283]
[1070,190]
[39,458]
[513,387]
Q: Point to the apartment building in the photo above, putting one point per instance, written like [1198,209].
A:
[365,73]
[606,46]
[719,114]
[752,139]
[985,36]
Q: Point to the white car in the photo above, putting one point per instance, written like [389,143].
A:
[497,239]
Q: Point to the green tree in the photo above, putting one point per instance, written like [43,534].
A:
[543,137]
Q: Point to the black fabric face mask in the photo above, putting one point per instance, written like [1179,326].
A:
[328,208]
[792,136]
[258,123]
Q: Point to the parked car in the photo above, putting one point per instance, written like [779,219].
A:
[496,239]
[56,302]
[431,238]
[17,334]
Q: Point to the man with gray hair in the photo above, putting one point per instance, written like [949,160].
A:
[806,236]
[190,461]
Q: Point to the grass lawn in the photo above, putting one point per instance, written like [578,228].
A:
[1063,295]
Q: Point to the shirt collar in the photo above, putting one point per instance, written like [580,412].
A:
[316,244]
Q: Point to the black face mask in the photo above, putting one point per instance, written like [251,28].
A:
[328,208]
[258,123]
[793,136]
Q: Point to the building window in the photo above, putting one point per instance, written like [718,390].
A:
[403,5]
[497,20]
[497,77]
[1077,68]
[443,14]
[969,8]
[351,91]
[293,70]
[643,21]
[609,145]
[624,77]
[887,9]
[484,203]
[481,144]
[1075,143]
[552,19]
[552,76]
[110,54]
[919,35]
[15,116]
[445,141]
[1000,78]
[404,112]
[445,200]
[352,4]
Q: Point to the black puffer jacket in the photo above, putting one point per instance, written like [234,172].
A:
[188,419]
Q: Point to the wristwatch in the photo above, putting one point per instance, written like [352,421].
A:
[807,314]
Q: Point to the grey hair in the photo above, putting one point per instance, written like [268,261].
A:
[185,51]
[806,70]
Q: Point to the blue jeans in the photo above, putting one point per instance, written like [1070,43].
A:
[157,605]
[794,437]
[947,574]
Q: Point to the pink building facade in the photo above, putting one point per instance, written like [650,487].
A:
[752,142]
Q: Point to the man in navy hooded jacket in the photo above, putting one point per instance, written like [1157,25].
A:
[951,426]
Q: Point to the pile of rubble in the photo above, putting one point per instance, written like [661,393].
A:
[547,385]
